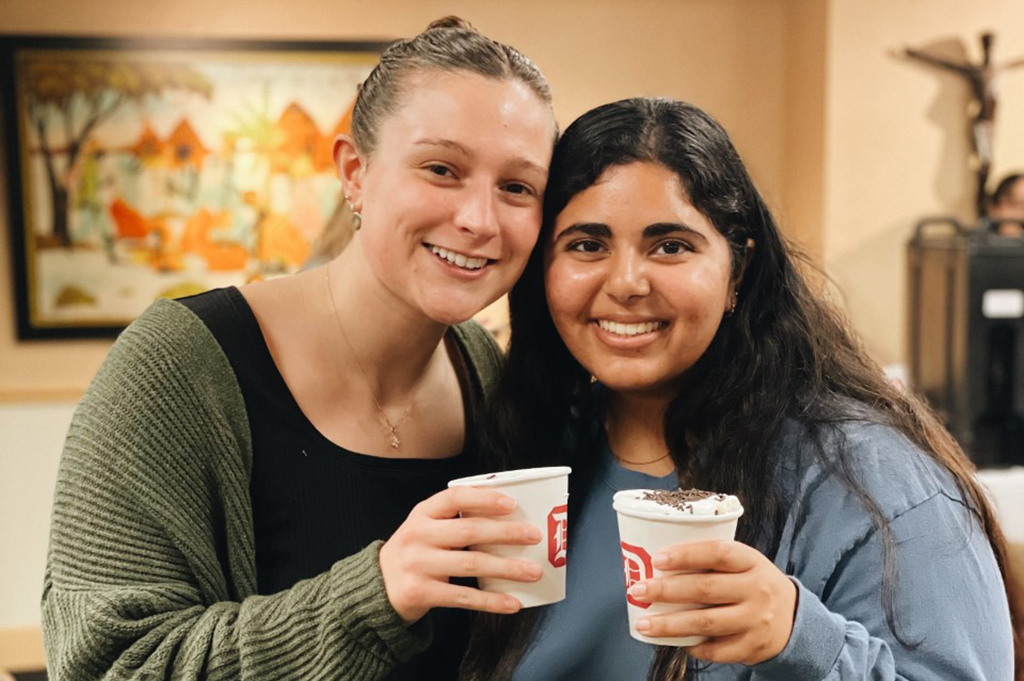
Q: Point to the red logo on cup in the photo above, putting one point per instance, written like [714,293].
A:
[558,524]
[636,566]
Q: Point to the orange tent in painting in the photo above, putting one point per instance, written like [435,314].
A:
[184,147]
[300,132]
[148,147]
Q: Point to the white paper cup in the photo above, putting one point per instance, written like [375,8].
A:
[642,535]
[541,496]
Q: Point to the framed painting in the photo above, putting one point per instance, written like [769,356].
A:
[144,168]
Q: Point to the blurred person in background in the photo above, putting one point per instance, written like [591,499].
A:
[1006,207]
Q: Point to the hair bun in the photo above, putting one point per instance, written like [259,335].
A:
[452,22]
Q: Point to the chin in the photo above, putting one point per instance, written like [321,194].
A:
[451,305]
[625,386]
[629,382]
[449,315]
[451,320]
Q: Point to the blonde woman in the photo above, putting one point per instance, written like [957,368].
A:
[233,472]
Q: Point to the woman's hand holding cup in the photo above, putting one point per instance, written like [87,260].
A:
[750,602]
[426,551]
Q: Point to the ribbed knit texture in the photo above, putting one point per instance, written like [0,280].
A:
[151,570]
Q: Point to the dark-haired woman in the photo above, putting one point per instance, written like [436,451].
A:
[232,472]
[1006,207]
[663,336]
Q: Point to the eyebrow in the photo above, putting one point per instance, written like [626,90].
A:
[593,229]
[528,166]
[441,142]
[519,164]
[600,230]
[664,228]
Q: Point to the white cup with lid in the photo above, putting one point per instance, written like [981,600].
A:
[542,496]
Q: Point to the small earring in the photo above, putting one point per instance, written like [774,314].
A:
[356,215]
[735,301]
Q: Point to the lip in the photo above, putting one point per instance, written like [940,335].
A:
[626,319]
[636,342]
[453,269]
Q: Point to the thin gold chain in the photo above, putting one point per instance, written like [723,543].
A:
[391,427]
[623,460]
[639,463]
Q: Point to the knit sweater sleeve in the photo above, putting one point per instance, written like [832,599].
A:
[485,357]
[151,569]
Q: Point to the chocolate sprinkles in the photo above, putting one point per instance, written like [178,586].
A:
[682,499]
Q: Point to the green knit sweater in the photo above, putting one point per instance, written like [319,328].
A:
[151,571]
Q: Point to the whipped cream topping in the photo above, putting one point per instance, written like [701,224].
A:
[678,503]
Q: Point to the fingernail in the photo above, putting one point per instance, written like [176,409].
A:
[660,560]
[534,533]
[534,570]
[507,504]
[638,589]
[643,624]
[510,605]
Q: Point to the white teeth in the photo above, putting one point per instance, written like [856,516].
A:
[458,259]
[629,329]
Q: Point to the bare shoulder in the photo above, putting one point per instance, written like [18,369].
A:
[285,311]
[275,297]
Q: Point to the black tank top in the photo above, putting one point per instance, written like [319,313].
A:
[314,502]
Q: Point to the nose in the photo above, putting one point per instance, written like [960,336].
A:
[627,278]
[476,211]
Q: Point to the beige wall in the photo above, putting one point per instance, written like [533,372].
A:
[803,132]
[895,135]
[29,455]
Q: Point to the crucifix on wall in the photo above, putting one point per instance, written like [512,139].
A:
[982,79]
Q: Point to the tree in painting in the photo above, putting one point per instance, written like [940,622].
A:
[67,98]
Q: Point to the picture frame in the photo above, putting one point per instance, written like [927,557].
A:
[140,168]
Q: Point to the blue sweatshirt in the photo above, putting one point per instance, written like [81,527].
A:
[950,598]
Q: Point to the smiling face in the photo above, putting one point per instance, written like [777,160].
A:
[451,196]
[637,279]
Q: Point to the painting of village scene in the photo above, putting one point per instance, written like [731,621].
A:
[162,173]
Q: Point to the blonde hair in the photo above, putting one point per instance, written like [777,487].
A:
[448,44]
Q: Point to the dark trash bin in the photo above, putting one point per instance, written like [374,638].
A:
[967,335]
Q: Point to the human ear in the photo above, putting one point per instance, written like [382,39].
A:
[744,260]
[350,165]
[740,269]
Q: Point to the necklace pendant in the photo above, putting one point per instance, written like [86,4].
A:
[394,441]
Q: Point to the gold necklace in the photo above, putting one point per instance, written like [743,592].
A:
[607,428]
[392,428]
[639,463]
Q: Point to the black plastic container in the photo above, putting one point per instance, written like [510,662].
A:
[967,335]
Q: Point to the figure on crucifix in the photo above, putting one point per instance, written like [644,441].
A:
[982,77]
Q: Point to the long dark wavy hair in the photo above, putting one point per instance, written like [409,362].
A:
[785,353]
